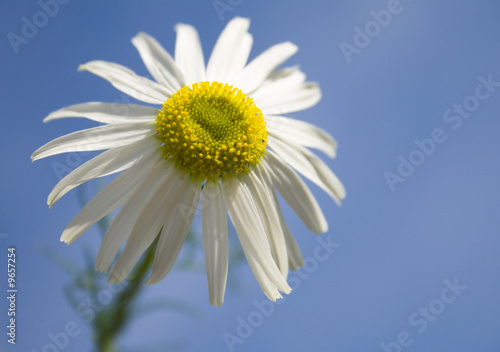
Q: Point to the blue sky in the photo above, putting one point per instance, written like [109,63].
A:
[414,100]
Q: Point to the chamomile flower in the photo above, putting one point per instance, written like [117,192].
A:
[217,139]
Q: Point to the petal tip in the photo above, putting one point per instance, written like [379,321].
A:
[136,38]
[322,228]
[100,269]
[240,19]
[180,24]
[293,47]
[149,282]
[215,303]
[114,279]
[64,240]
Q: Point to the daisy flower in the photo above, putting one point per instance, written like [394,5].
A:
[217,139]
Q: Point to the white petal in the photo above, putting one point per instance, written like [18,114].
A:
[175,230]
[108,199]
[302,133]
[215,242]
[159,62]
[128,81]
[254,74]
[189,54]
[280,80]
[245,218]
[227,48]
[120,229]
[261,194]
[266,285]
[97,138]
[240,59]
[295,192]
[148,225]
[290,100]
[109,162]
[295,259]
[310,166]
[131,254]
[106,112]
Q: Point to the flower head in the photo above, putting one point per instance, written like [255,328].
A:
[212,130]
[217,137]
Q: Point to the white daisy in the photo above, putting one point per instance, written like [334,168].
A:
[219,137]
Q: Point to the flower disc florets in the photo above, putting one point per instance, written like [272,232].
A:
[211,130]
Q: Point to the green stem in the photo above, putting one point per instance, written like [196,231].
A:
[111,321]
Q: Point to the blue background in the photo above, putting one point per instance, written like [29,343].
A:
[396,247]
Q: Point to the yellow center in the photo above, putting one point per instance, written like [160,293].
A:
[211,131]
